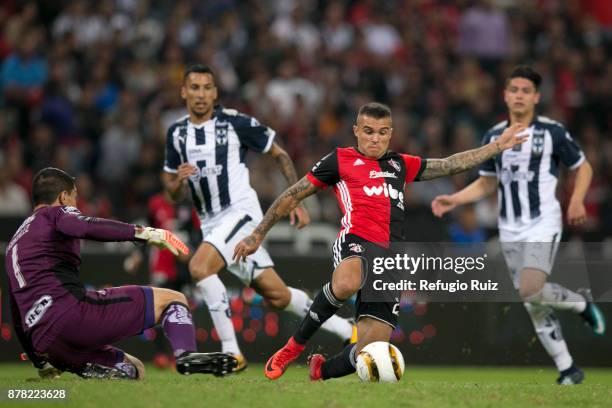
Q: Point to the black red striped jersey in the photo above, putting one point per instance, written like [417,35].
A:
[370,192]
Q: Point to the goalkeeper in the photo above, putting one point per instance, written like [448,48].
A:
[62,326]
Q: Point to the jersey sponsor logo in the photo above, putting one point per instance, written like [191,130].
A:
[358,162]
[204,172]
[394,164]
[38,310]
[381,174]
[356,247]
[194,151]
[386,190]
[507,176]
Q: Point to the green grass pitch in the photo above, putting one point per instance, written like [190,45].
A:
[420,387]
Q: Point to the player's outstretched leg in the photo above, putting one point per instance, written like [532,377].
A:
[172,313]
[346,281]
[323,307]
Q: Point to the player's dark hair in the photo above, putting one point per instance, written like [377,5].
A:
[49,183]
[198,69]
[375,110]
[525,71]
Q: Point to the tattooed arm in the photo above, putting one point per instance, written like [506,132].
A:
[282,206]
[459,162]
[288,169]
[284,162]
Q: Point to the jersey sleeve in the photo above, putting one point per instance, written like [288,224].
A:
[487,168]
[414,167]
[253,134]
[566,149]
[325,172]
[173,159]
[69,221]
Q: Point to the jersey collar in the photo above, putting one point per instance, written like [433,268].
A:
[369,158]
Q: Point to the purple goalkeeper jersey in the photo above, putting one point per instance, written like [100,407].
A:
[42,264]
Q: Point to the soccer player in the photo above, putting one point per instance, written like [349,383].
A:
[62,326]
[369,182]
[207,149]
[526,178]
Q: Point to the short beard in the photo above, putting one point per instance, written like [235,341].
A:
[198,114]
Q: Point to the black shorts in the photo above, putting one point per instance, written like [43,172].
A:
[349,246]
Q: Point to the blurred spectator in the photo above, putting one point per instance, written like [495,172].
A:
[484,32]
[120,148]
[14,200]
[93,86]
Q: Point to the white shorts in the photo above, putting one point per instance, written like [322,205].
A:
[534,249]
[225,230]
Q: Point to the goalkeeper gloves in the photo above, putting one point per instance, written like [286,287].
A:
[161,238]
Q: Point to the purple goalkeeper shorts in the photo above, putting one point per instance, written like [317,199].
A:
[102,318]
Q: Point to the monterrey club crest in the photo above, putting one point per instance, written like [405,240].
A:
[537,144]
[394,164]
[221,133]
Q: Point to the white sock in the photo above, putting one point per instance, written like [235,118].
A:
[300,304]
[215,295]
[548,329]
[558,297]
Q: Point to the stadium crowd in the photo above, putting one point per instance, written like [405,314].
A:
[91,86]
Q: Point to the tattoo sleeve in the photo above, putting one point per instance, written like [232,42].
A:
[458,162]
[283,205]
[286,165]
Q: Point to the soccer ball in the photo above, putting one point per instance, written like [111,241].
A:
[380,362]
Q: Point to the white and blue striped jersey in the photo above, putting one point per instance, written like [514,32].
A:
[218,148]
[527,174]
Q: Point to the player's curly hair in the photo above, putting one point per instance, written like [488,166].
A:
[48,183]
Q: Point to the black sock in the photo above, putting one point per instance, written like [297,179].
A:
[324,306]
[341,364]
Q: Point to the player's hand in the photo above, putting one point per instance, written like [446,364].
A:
[246,247]
[161,238]
[184,171]
[442,204]
[576,213]
[49,372]
[302,216]
[511,137]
